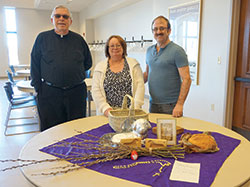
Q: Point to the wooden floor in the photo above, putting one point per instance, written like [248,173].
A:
[10,146]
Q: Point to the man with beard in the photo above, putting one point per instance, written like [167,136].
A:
[59,59]
[167,71]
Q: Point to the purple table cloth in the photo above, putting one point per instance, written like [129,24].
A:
[143,169]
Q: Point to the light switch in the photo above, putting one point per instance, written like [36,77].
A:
[219,60]
[212,107]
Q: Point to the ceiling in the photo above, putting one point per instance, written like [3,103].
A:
[73,5]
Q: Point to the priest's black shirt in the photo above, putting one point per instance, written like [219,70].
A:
[60,60]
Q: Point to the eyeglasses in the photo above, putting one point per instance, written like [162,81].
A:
[115,46]
[65,16]
[160,29]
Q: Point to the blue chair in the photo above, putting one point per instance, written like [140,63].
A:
[89,95]
[10,77]
[20,104]
[17,96]
[88,74]
[12,70]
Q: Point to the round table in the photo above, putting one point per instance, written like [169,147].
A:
[23,72]
[24,86]
[22,66]
[233,172]
[88,82]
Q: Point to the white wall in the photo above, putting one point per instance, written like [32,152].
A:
[127,22]
[135,20]
[30,22]
[215,41]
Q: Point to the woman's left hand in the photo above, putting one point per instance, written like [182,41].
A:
[106,113]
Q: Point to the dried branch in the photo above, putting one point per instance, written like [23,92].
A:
[95,152]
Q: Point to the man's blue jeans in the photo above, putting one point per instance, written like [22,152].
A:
[161,108]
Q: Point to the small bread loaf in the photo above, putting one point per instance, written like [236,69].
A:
[131,142]
[203,141]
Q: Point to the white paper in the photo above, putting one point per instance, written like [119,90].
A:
[186,172]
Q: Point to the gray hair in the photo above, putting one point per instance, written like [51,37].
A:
[63,7]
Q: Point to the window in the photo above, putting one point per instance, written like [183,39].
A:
[10,20]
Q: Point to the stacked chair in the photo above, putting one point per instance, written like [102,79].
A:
[20,102]
[12,70]
[10,77]
[17,96]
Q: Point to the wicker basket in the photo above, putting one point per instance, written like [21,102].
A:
[118,116]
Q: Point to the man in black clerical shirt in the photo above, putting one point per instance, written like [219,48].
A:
[59,59]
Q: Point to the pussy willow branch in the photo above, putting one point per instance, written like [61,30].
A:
[99,154]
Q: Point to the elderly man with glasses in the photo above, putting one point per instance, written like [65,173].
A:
[167,71]
[59,59]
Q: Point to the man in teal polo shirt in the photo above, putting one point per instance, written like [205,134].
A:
[167,71]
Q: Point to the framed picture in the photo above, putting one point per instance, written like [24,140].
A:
[166,129]
[185,20]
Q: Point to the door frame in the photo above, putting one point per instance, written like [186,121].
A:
[235,19]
